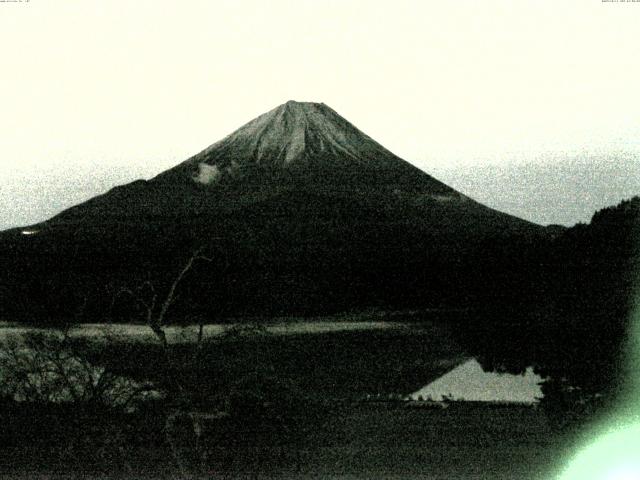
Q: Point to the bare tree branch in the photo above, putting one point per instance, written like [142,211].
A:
[171,296]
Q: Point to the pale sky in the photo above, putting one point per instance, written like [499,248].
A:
[96,93]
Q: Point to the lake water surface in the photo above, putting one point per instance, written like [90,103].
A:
[137,332]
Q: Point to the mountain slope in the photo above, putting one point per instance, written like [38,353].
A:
[296,146]
[303,213]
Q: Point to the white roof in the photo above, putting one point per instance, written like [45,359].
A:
[470,382]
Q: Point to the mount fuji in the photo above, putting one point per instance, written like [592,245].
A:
[303,213]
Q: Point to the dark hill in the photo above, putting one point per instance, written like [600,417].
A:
[303,214]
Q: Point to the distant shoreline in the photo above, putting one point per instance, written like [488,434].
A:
[185,334]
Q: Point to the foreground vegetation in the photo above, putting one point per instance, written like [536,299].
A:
[257,403]
[285,402]
[73,403]
[254,404]
[354,440]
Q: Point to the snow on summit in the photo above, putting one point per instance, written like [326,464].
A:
[305,143]
[291,131]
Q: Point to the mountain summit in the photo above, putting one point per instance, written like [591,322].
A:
[302,143]
[293,132]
